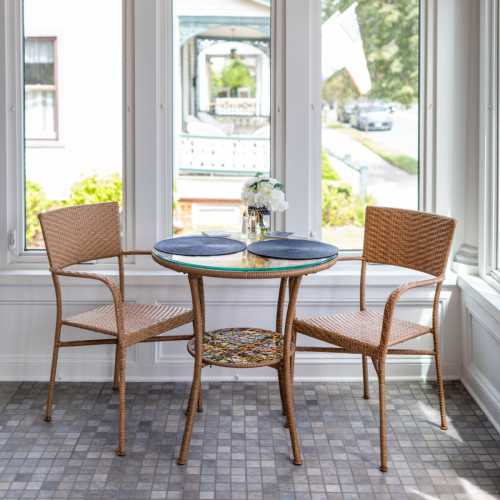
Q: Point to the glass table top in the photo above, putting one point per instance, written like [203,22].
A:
[239,262]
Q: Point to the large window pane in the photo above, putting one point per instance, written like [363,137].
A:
[370,66]
[72,107]
[222,117]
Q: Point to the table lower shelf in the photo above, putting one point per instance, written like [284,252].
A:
[240,347]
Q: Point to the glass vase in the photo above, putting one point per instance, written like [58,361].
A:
[259,221]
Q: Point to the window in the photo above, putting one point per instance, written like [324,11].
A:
[489,193]
[218,91]
[222,101]
[40,88]
[73,72]
[370,115]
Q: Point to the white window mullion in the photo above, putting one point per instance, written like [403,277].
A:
[489,142]
[148,165]
[302,112]
[14,175]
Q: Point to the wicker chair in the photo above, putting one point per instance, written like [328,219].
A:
[404,238]
[90,232]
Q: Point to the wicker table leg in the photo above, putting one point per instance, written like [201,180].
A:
[279,328]
[198,308]
[287,370]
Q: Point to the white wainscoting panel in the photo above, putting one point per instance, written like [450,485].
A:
[481,345]
[27,318]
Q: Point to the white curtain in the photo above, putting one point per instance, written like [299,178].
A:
[38,51]
[40,114]
[39,101]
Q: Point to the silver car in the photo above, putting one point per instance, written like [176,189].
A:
[372,116]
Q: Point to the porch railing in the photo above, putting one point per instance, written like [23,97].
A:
[233,156]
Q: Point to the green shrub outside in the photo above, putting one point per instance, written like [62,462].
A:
[328,172]
[93,189]
[340,207]
[36,202]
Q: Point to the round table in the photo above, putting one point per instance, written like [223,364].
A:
[246,347]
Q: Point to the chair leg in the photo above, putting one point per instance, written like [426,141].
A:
[116,375]
[290,413]
[122,364]
[366,388]
[439,376]
[200,400]
[53,371]
[282,392]
[193,404]
[383,423]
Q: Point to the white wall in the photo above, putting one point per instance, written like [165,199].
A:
[28,317]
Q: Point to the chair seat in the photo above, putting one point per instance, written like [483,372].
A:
[141,321]
[359,331]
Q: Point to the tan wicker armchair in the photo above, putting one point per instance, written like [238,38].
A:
[90,232]
[404,238]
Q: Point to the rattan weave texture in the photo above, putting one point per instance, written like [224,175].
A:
[407,238]
[362,327]
[140,321]
[82,233]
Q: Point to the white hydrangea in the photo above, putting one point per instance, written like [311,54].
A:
[264,192]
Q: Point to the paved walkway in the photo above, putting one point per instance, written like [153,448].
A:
[390,186]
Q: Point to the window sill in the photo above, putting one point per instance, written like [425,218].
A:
[44,144]
[481,291]
[345,274]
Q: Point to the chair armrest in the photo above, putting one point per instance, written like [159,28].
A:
[110,285]
[136,252]
[346,258]
[394,297]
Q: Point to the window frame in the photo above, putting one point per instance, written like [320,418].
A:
[12,108]
[54,88]
[489,140]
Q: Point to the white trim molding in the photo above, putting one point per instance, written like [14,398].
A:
[481,344]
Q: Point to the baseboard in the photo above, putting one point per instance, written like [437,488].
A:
[179,367]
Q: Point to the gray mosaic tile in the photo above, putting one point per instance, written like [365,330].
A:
[239,448]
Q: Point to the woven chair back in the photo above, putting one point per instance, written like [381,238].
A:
[81,233]
[407,238]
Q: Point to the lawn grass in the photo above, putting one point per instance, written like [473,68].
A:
[398,160]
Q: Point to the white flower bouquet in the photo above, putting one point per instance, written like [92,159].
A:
[264,192]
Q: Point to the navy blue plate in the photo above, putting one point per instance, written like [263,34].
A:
[200,246]
[293,249]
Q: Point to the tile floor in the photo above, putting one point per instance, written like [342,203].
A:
[239,448]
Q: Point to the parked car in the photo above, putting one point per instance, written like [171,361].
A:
[344,112]
[372,116]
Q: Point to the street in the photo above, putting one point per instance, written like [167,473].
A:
[404,135]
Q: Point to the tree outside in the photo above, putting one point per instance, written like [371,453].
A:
[390,32]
